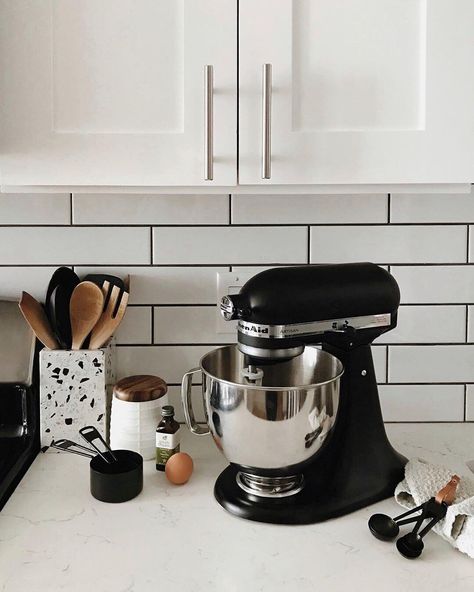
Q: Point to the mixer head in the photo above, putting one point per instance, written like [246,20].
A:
[282,309]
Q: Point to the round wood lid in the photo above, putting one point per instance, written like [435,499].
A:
[142,387]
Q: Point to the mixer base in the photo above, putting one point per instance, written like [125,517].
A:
[312,504]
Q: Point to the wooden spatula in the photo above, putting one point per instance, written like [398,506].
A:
[38,321]
[85,308]
[108,322]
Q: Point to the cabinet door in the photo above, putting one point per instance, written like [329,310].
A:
[112,92]
[362,91]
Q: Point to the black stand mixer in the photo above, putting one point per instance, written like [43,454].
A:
[294,405]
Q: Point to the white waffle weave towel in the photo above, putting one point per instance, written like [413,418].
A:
[422,481]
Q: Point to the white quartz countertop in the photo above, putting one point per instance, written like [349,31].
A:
[55,536]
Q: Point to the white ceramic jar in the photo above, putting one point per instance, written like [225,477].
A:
[136,411]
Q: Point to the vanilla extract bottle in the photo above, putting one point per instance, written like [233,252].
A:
[167,437]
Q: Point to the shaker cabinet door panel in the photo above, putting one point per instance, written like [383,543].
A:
[111,92]
[361,91]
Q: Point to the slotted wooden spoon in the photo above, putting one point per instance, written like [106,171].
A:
[85,308]
[110,320]
[36,318]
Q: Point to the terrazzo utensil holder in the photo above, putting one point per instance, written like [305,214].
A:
[75,391]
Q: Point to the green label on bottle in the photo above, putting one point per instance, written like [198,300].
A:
[166,446]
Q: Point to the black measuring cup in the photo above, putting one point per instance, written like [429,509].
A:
[115,475]
[119,481]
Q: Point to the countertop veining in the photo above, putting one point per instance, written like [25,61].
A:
[55,536]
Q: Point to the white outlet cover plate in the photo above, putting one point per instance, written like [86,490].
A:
[228,283]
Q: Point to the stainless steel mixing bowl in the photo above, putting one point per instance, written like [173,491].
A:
[270,417]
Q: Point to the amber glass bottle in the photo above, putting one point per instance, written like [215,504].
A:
[167,437]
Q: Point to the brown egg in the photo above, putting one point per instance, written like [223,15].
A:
[179,468]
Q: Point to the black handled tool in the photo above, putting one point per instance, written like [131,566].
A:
[91,435]
[411,545]
[69,446]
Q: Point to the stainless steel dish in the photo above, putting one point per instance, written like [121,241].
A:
[272,417]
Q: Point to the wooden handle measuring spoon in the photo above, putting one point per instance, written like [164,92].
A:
[85,308]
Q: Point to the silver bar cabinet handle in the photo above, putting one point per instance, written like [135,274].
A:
[209,122]
[267,122]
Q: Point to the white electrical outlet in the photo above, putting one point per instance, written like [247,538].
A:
[228,283]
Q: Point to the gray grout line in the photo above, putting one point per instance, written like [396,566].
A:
[309,245]
[151,245]
[212,264]
[379,383]
[468,234]
[467,324]
[376,345]
[144,224]
[465,402]
[175,304]
[399,422]
[152,325]
[235,264]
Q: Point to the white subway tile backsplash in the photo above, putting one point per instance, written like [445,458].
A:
[432,207]
[470,403]
[15,280]
[173,247]
[435,284]
[169,362]
[35,208]
[234,245]
[136,326]
[188,324]
[431,363]
[166,285]
[388,244]
[379,354]
[174,395]
[74,245]
[428,324]
[422,402]
[309,209]
[150,209]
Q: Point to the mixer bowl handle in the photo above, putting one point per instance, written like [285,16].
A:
[186,386]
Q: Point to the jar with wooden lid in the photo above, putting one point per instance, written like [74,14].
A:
[136,410]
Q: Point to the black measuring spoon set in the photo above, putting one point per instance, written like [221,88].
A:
[411,545]
[115,475]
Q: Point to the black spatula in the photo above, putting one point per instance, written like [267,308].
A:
[58,295]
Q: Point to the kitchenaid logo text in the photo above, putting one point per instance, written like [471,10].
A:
[253,329]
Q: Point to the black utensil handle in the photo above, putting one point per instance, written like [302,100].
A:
[69,449]
[65,444]
[91,435]
[429,526]
[412,511]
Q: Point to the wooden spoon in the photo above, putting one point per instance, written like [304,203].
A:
[108,322]
[36,318]
[85,308]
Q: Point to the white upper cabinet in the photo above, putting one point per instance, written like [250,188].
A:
[144,92]
[113,92]
[356,91]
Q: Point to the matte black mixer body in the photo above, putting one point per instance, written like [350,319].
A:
[343,308]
